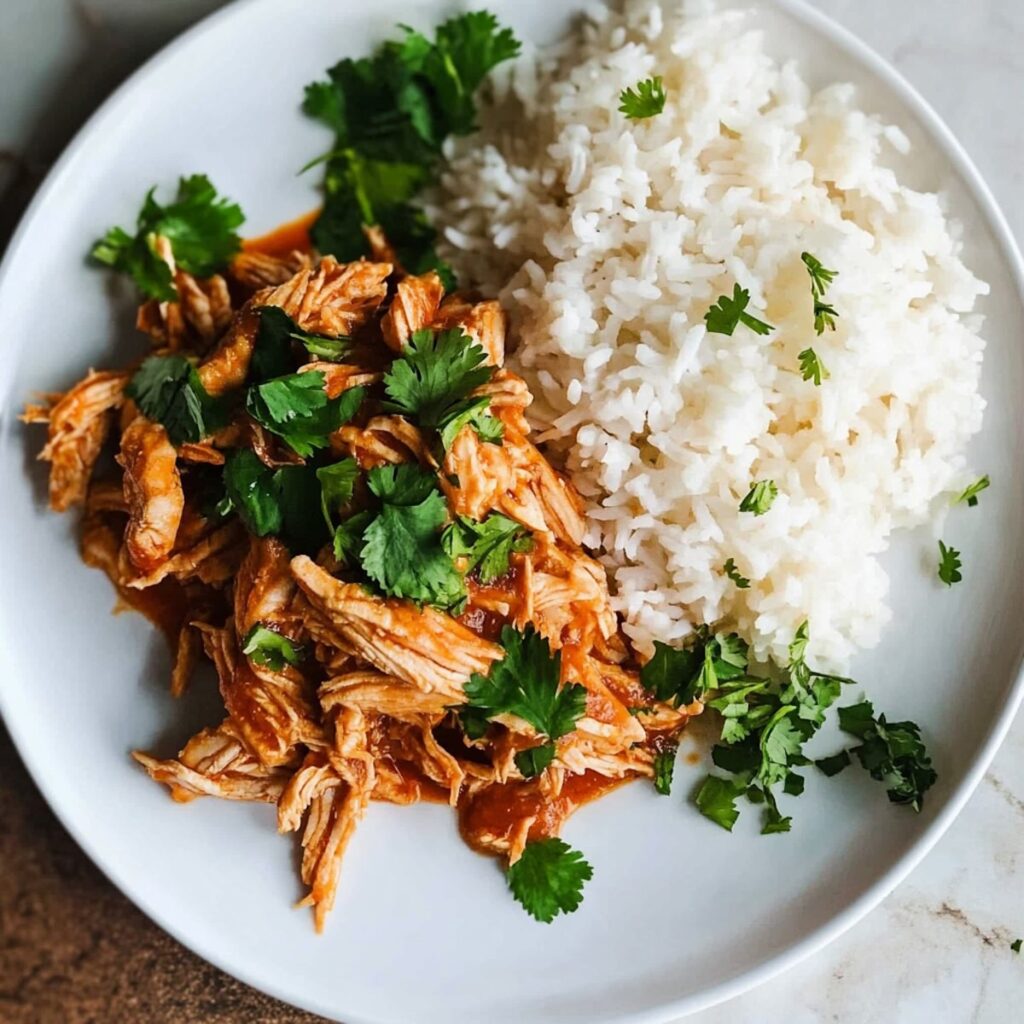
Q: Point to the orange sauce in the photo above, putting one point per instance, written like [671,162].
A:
[283,239]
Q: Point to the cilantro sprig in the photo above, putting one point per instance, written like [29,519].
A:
[645,99]
[431,380]
[525,683]
[812,368]
[272,354]
[548,879]
[390,114]
[682,675]
[401,548]
[727,313]
[199,224]
[167,390]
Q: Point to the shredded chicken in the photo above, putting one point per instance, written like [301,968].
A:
[336,695]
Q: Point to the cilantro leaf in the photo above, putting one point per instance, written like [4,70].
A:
[199,224]
[891,752]
[265,647]
[168,391]
[252,493]
[272,351]
[726,313]
[297,409]
[548,879]
[733,573]
[645,99]
[487,546]
[949,565]
[664,768]
[534,760]
[824,318]
[284,502]
[716,799]
[337,482]
[435,372]
[525,683]
[471,412]
[683,675]
[970,494]
[833,764]
[1015,945]
[812,368]
[401,549]
[348,537]
[760,497]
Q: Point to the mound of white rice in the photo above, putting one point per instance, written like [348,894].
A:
[609,239]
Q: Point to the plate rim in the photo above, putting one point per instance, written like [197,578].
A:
[953,150]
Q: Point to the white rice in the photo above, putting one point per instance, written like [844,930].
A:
[608,240]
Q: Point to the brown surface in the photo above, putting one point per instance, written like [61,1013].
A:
[73,950]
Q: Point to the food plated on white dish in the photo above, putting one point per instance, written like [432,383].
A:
[560,447]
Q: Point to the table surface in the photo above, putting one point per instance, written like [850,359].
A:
[73,949]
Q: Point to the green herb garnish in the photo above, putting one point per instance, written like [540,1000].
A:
[645,99]
[265,647]
[548,879]
[733,573]
[525,683]
[949,565]
[821,277]
[487,546]
[199,224]
[168,390]
[664,768]
[812,368]
[970,494]
[401,547]
[723,317]
[760,497]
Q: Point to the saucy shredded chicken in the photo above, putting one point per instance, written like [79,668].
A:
[339,689]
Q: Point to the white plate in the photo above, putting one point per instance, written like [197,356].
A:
[680,914]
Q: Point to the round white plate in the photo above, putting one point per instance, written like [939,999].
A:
[680,914]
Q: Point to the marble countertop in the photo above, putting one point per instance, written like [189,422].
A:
[72,949]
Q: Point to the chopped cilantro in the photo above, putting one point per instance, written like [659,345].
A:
[716,799]
[272,351]
[812,368]
[760,497]
[645,99]
[401,549]
[487,546]
[168,391]
[265,647]
[723,317]
[824,314]
[525,683]
[283,502]
[548,879]
[891,752]
[472,412]
[1015,945]
[949,565]
[970,494]
[685,674]
[348,537]
[297,409]
[533,761]
[664,768]
[733,573]
[199,224]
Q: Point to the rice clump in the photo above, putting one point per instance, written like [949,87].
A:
[609,239]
